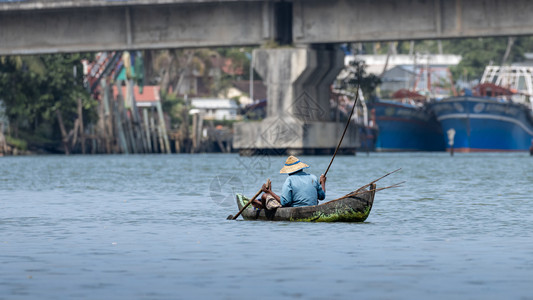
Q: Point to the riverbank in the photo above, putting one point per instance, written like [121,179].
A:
[11,146]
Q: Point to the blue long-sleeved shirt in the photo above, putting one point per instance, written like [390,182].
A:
[301,189]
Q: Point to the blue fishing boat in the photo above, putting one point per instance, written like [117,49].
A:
[487,120]
[406,126]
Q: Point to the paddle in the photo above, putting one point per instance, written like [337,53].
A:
[230,217]
[345,128]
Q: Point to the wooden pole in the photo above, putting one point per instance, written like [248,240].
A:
[107,127]
[147,129]
[130,129]
[345,128]
[177,143]
[82,130]
[153,129]
[230,217]
[137,124]
[3,143]
[194,133]
[184,128]
[63,132]
[126,124]
[119,123]
[163,126]
[358,192]
[160,135]
[366,185]
[244,207]
[200,129]
[74,132]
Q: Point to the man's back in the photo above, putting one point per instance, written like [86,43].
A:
[301,189]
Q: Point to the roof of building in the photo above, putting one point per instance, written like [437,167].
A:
[149,96]
[214,103]
[260,90]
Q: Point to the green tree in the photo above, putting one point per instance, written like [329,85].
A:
[34,87]
[357,76]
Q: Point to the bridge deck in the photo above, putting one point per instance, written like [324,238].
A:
[13,5]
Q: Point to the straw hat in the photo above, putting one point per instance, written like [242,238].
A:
[293,164]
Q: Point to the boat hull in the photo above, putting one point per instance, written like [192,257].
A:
[345,209]
[483,124]
[404,127]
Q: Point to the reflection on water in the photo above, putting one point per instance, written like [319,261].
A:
[154,227]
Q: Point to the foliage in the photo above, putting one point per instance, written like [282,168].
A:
[478,53]
[174,107]
[34,87]
[356,75]
[17,143]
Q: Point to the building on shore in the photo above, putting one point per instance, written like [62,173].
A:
[420,72]
[216,109]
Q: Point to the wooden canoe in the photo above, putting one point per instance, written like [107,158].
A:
[345,209]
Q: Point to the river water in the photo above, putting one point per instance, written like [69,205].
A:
[154,227]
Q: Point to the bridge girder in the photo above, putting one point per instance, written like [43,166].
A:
[39,26]
[336,21]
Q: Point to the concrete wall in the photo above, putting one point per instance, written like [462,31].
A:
[291,134]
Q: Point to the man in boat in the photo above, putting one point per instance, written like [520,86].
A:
[299,189]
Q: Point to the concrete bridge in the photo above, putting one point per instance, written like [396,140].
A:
[47,26]
[297,78]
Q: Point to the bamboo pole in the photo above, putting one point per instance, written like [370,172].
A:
[230,217]
[136,119]
[344,132]
[126,125]
[119,123]
[194,133]
[63,132]
[160,136]
[147,130]
[184,128]
[376,180]
[3,142]
[177,143]
[107,113]
[163,125]
[129,130]
[359,192]
[153,129]
[94,148]
[82,131]
[74,132]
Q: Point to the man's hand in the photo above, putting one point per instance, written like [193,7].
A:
[322,179]
[266,189]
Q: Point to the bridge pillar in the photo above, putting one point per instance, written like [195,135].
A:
[298,118]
